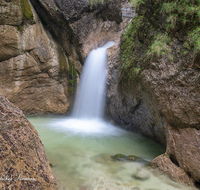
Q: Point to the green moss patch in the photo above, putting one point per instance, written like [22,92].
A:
[62,60]
[20,29]
[160,30]
[160,47]
[72,82]
[67,69]
[26,10]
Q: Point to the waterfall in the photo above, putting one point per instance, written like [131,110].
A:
[87,115]
[90,97]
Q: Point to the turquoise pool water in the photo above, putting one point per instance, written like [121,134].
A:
[80,151]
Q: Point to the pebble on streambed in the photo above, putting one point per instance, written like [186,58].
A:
[142,175]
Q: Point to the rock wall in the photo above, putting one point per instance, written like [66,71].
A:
[39,69]
[34,71]
[154,88]
[80,25]
[23,162]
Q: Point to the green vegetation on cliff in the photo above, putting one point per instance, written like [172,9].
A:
[20,29]
[72,78]
[67,68]
[62,60]
[26,9]
[156,31]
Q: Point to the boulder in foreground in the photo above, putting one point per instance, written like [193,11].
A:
[23,159]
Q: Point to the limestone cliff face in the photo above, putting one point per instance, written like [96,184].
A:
[154,87]
[34,72]
[80,25]
[23,162]
[38,72]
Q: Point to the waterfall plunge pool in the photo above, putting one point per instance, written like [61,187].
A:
[80,151]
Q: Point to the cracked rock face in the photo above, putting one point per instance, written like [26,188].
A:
[23,162]
[31,71]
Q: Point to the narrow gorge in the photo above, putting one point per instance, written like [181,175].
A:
[152,92]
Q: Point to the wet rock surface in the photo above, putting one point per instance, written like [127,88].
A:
[34,72]
[40,69]
[23,159]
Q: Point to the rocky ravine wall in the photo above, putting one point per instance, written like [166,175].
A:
[23,162]
[156,95]
[36,73]
[80,26]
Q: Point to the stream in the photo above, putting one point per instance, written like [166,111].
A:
[80,151]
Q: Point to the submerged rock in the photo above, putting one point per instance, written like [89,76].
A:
[102,158]
[142,175]
[24,163]
[121,157]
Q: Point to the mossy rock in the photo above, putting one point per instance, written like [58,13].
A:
[121,157]
[62,60]
[20,29]
[142,161]
[131,157]
[72,70]
[26,10]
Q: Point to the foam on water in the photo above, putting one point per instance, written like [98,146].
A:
[88,127]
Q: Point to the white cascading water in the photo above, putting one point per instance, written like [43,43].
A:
[91,93]
[88,110]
